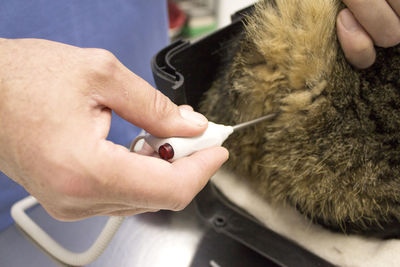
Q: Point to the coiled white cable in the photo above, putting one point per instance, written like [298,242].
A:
[53,247]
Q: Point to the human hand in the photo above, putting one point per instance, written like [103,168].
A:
[365,23]
[55,114]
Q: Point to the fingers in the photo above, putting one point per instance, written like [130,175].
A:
[136,101]
[187,107]
[355,41]
[367,23]
[378,19]
[152,183]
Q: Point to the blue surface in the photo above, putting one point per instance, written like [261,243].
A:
[133,30]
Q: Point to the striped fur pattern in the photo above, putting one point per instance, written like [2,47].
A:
[333,152]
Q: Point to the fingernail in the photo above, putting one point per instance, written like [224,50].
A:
[348,21]
[193,117]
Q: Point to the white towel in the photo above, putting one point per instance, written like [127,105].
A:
[337,248]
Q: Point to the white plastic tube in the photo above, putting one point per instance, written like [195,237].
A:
[54,248]
[214,135]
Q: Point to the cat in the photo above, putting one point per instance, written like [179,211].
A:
[333,150]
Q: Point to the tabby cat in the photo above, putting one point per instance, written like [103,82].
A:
[333,151]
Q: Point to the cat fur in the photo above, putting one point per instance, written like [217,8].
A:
[333,150]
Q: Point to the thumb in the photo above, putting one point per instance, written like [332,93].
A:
[138,102]
[357,45]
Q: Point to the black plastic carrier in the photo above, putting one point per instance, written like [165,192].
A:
[184,71]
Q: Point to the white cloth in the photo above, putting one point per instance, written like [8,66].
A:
[337,248]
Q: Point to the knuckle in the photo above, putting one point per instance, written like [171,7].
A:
[103,55]
[103,63]
[161,107]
